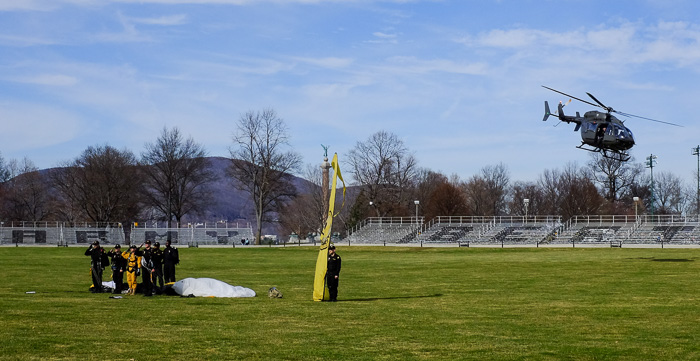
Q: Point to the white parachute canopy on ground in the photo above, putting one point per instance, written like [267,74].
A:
[209,287]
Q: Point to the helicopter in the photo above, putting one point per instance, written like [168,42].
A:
[601,132]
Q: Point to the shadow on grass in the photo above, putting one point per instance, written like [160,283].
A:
[388,298]
[672,260]
[665,259]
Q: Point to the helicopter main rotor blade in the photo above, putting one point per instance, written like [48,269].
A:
[609,109]
[571,96]
[645,118]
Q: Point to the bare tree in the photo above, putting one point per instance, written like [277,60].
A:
[486,192]
[26,196]
[447,199]
[176,173]
[4,170]
[260,164]
[668,194]
[439,195]
[530,191]
[386,170]
[427,181]
[569,192]
[304,213]
[358,209]
[614,176]
[4,177]
[103,183]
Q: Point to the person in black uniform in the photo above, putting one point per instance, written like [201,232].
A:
[118,268]
[332,273]
[157,258]
[147,269]
[170,259]
[98,262]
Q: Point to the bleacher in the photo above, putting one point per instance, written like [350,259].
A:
[446,233]
[591,230]
[194,234]
[620,230]
[505,230]
[47,233]
[670,229]
[451,230]
[456,230]
[534,231]
[687,234]
[60,233]
[385,230]
[523,234]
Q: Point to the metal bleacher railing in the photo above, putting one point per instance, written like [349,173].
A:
[455,230]
[194,234]
[65,234]
[619,230]
[60,233]
[592,230]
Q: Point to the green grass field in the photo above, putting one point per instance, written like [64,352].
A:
[394,304]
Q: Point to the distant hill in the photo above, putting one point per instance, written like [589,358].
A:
[229,203]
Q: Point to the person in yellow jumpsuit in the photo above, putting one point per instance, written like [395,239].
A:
[133,261]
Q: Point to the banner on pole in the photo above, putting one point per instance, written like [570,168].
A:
[320,289]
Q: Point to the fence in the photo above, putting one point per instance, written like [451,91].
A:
[64,233]
[60,233]
[516,230]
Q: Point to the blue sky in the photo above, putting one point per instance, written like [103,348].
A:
[458,81]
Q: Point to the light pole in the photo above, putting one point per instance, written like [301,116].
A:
[526,202]
[416,203]
[651,159]
[376,209]
[696,151]
[635,199]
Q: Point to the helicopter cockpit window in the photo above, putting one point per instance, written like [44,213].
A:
[610,130]
[619,131]
[591,127]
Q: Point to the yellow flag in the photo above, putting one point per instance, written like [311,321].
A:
[320,289]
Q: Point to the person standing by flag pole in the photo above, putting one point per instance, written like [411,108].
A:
[320,289]
[333,273]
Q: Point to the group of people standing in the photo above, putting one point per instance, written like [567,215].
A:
[155,266]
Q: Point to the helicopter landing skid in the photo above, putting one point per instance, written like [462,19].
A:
[608,153]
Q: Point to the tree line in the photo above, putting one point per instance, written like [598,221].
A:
[109,185]
[169,181]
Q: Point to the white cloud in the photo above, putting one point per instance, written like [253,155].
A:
[27,5]
[43,5]
[518,38]
[48,79]
[382,35]
[327,62]
[409,64]
[25,40]
[166,20]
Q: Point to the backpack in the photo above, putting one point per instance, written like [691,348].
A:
[274,293]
